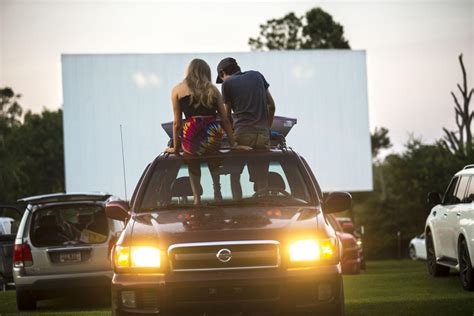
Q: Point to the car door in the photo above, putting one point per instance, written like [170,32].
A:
[439,219]
[465,217]
[453,217]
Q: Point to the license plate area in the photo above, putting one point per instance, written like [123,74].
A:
[70,257]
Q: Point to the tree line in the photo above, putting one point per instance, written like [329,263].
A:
[31,150]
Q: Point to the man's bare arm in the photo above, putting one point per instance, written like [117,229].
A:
[271,108]
[228,113]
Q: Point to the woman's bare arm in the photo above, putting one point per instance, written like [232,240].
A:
[177,118]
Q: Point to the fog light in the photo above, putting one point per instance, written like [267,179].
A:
[324,292]
[128,299]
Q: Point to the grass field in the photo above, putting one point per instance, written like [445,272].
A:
[387,288]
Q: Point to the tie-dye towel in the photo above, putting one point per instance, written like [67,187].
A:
[201,135]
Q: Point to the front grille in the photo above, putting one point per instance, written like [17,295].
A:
[226,293]
[224,255]
[147,299]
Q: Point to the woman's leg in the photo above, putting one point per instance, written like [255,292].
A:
[195,179]
[216,178]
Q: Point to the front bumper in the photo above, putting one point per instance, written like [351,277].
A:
[274,290]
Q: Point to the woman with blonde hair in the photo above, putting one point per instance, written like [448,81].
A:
[200,102]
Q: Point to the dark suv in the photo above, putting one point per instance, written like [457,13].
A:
[261,248]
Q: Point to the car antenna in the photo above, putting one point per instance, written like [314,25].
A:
[123,164]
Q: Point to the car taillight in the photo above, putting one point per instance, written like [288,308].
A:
[22,256]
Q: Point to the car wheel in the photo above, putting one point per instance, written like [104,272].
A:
[466,273]
[412,253]
[434,269]
[25,301]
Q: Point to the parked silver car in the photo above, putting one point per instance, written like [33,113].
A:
[63,243]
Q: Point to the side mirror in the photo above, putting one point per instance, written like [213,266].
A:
[337,202]
[118,210]
[434,198]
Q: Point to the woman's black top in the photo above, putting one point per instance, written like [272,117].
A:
[191,110]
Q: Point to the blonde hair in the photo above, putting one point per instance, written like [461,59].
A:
[198,79]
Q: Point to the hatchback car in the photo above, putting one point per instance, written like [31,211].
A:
[62,244]
[261,248]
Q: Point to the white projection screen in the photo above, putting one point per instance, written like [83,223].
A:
[325,90]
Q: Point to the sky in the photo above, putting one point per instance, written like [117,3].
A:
[412,46]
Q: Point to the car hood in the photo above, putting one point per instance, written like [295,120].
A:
[165,228]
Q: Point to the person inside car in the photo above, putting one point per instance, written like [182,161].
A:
[200,102]
[246,95]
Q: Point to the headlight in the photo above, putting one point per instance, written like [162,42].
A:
[312,250]
[137,257]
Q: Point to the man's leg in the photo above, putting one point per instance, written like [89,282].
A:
[258,170]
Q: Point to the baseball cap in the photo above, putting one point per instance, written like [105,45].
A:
[224,63]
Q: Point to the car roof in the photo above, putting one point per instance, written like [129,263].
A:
[467,170]
[66,197]
[226,152]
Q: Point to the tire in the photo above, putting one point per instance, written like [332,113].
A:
[412,253]
[434,269]
[466,273]
[25,301]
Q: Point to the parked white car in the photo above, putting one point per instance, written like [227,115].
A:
[417,248]
[449,229]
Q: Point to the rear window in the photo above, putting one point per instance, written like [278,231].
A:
[69,225]
[245,180]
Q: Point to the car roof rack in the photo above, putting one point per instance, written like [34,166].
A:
[468,166]
[66,197]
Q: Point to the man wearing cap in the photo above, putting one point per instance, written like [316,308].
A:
[246,95]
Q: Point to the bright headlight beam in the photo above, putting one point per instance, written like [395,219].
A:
[304,250]
[145,257]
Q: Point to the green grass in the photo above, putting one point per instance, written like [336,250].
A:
[387,288]
[405,288]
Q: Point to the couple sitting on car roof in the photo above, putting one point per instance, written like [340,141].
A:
[245,94]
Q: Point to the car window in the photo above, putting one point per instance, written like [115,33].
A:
[461,189]
[449,197]
[249,180]
[470,191]
[68,225]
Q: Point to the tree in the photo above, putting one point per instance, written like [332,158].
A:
[379,140]
[316,29]
[34,160]
[460,142]
[321,31]
[10,109]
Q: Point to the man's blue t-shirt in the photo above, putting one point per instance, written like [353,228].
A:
[245,92]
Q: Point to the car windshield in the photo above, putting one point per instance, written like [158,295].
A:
[69,225]
[245,180]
